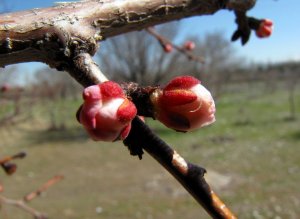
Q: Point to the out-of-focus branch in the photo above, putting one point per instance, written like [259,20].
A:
[19,155]
[164,42]
[9,167]
[43,188]
[21,203]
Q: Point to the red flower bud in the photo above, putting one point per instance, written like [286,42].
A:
[184,104]
[265,28]
[9,168]
[168,47]
[106,113]
[189,45]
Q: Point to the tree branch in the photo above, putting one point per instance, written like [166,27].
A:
[43,188]
[54,35]
[164,40]
[21,204]
[66,36]
[189,175]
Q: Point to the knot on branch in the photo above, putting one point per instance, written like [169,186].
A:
[141,97]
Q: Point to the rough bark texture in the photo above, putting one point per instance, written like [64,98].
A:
[54,35]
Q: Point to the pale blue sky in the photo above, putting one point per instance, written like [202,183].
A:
[283,45]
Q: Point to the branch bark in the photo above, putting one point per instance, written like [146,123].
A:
[54,35]
[189,175]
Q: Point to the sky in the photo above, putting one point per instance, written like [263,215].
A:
[283,45]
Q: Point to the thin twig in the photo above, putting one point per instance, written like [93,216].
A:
[21,204]
[9,167]
[189,175]
[163,41]
[49,183]
[19,155]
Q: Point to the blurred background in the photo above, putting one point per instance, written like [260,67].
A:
[252,152]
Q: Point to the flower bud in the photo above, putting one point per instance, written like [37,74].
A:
[9,168]
[184,104]
[106,113]
[168,47]
[265,28]
[189,45]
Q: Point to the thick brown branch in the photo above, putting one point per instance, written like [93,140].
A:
[55,35]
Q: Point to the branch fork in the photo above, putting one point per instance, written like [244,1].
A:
[23,202]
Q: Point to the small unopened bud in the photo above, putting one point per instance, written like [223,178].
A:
[9,168]
[184,104]
[168,47]
[106,113]
[265,28]
[189,45]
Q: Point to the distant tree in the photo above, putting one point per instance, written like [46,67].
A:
[292,77]
[220,61]
[138,57]
[56,85]
[52,87]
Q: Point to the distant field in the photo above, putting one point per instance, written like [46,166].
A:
[252,154]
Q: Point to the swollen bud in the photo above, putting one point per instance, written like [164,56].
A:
[106,113]
[168,47]
[189,45]
[265,28]
[184,104]
[9,168]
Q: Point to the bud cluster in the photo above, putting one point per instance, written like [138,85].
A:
[183,105]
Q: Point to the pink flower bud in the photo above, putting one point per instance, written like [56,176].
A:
[168,47]
[106,113]
[265,28]
[184,104]
[189,45]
